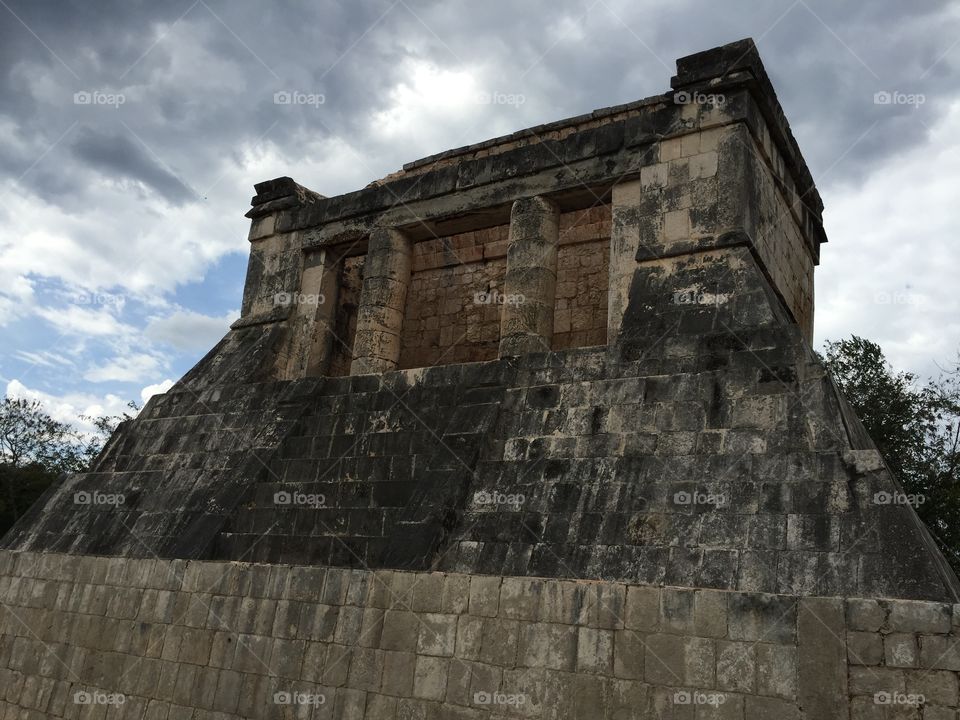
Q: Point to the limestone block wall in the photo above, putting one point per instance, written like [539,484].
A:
[777,237]
[88,637]
[453,313]
[693,194]
[583,260]
[274,268]
[456,296]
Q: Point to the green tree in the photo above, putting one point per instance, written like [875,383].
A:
[35,449]
[915,425]
[104,427]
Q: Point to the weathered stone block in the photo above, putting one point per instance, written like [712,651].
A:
[917,617]
[438,634]
[822,672]
[349,625]
[676,611]
[642,608]
[937,686]
[548,645]
[628,656]
[400,631]
[934,712]
[865,614]
[520,598]
[484,596]
[595,651]
[379,706]
[498,642]
[736,666]
[766,708]
[864,648]
[777,670]
[766,618]
[667,660]
[430,678]
[398,673]
[456,594]
[710,613]
[940,652]
[366,669]
[900,650]
[428,593]
[469,634]
[869,681]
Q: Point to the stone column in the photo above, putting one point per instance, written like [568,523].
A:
[386,275]
[530,285]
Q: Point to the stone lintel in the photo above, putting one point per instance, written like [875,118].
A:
[279,194]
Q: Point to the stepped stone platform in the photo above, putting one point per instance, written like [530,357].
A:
[531,428]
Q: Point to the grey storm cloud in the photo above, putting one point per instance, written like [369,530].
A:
[118,155]
[827,60]
[176,162]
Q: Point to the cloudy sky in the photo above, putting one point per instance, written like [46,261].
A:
[131,134]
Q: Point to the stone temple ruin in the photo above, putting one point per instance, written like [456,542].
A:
[532,428]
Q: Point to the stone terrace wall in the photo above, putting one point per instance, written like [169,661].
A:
[194,639]
[616,463]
